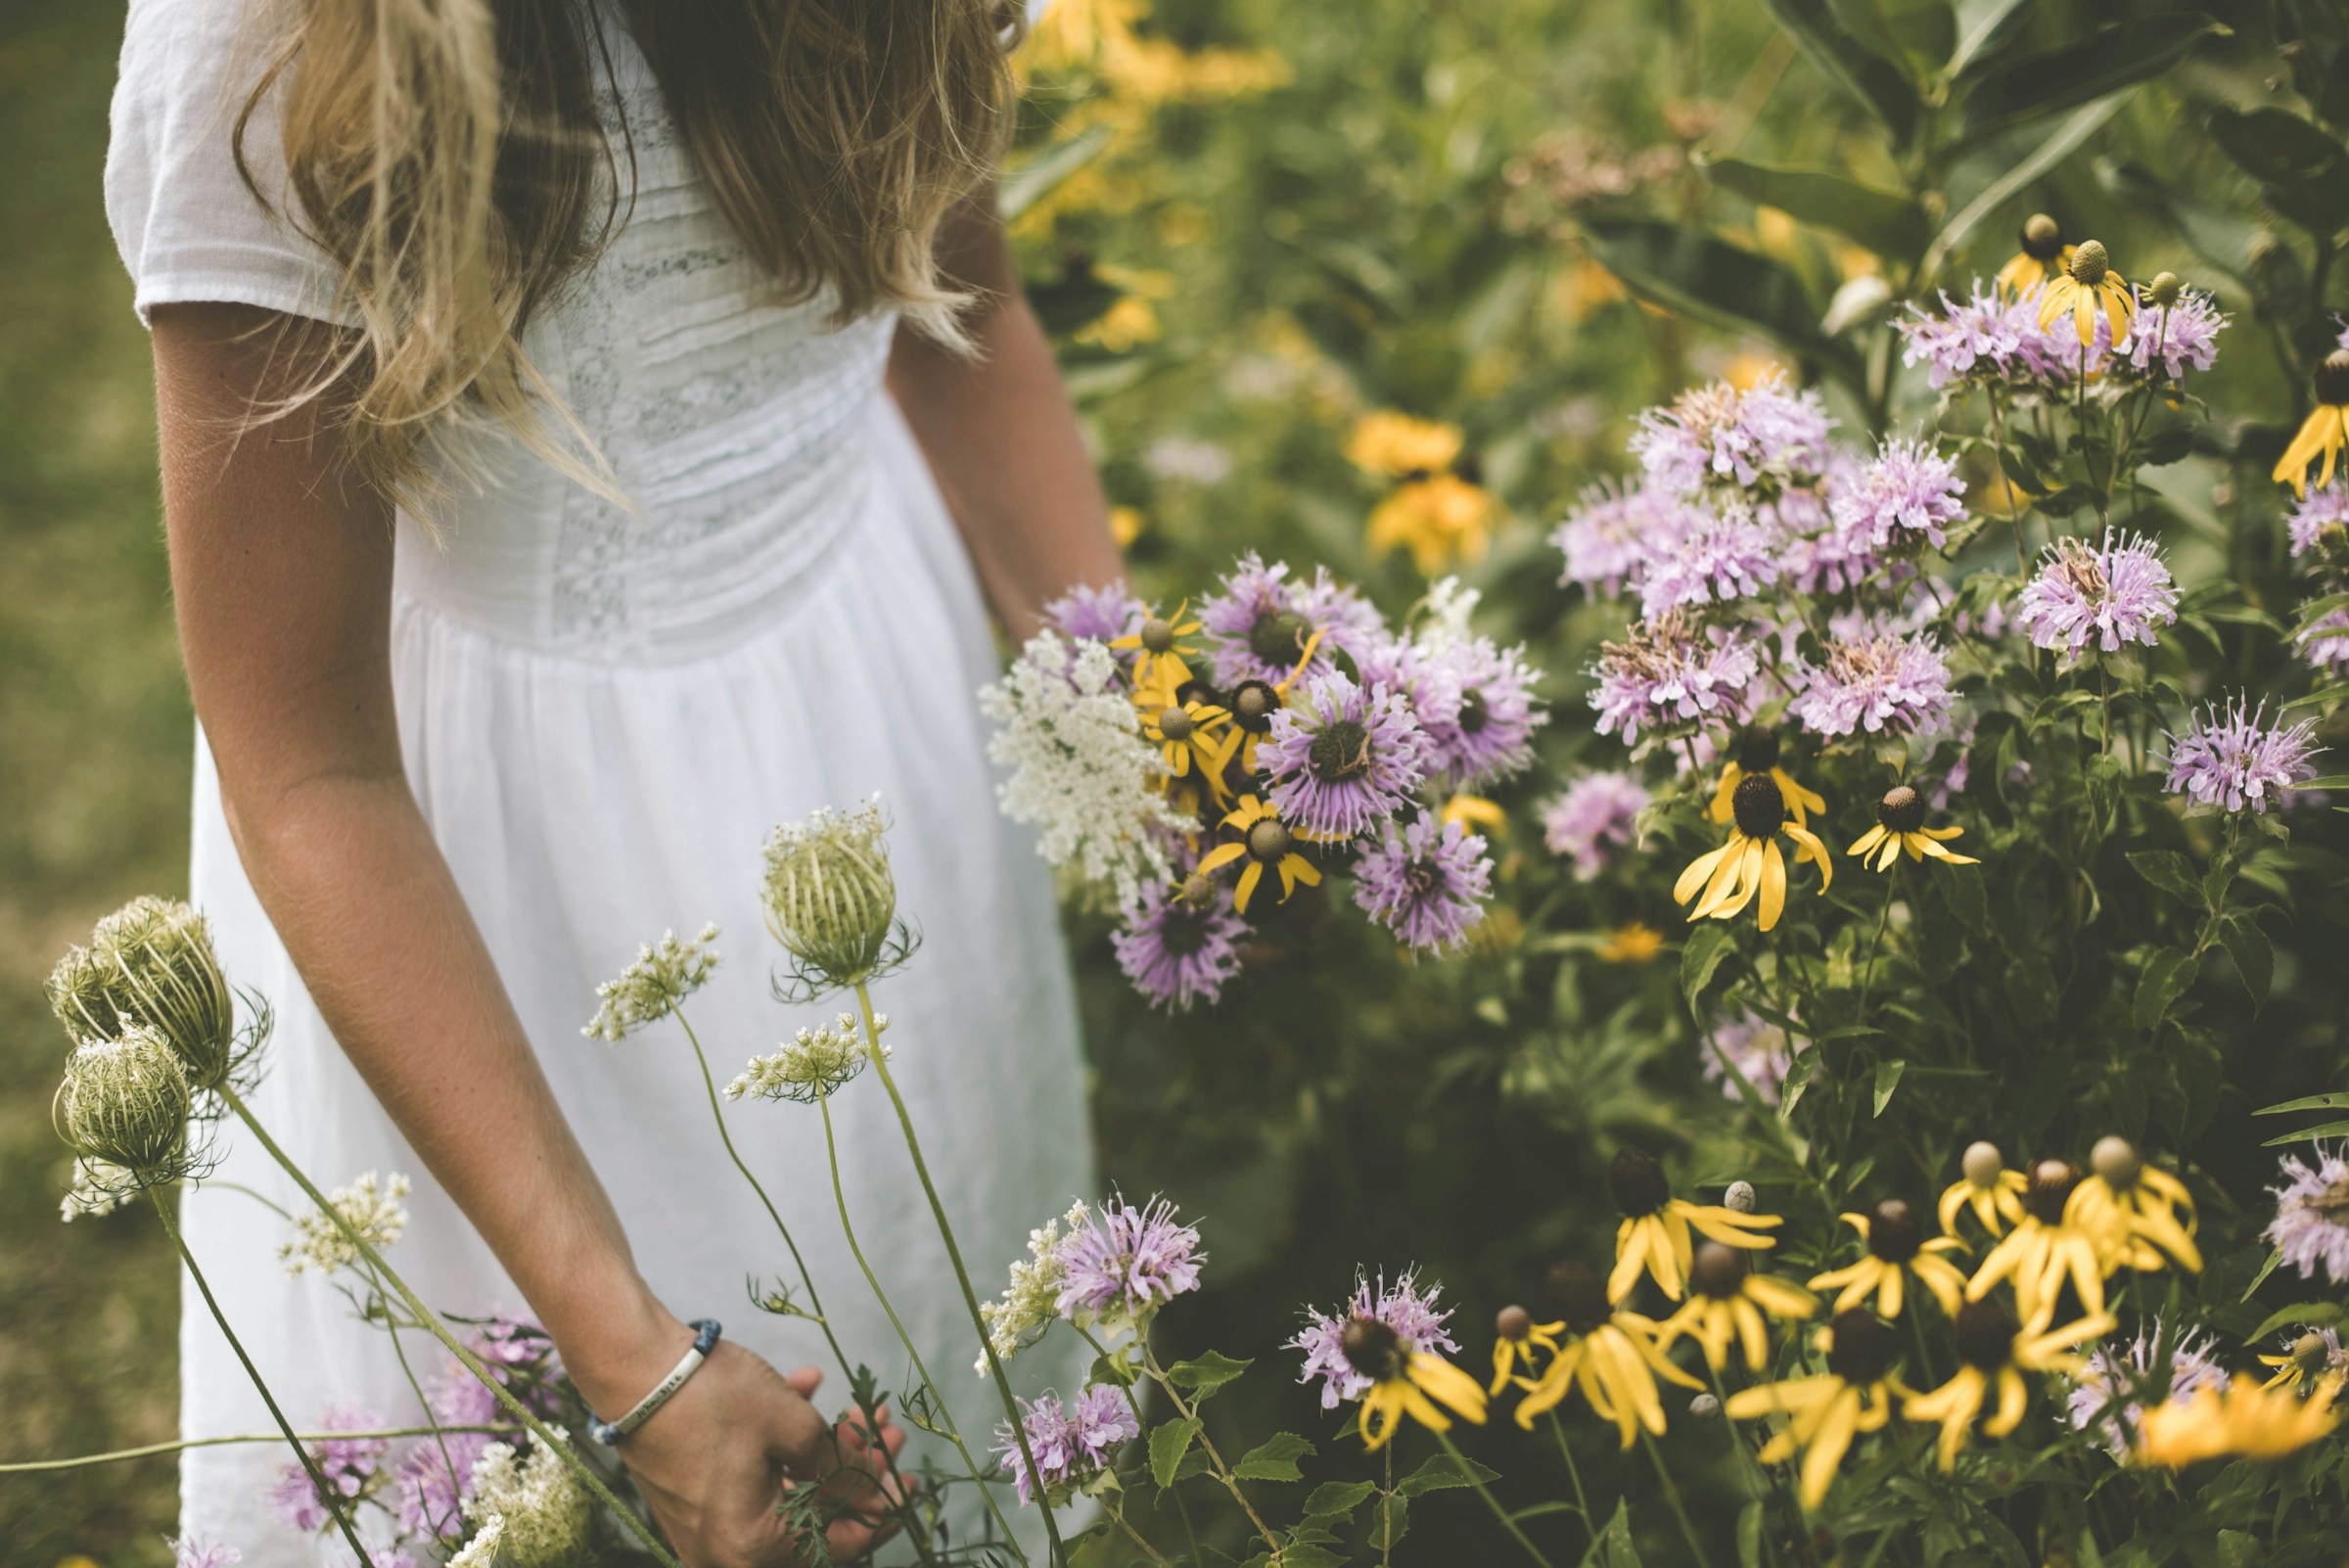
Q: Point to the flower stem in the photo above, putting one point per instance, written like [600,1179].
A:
[1231,1483]
[1468,1470]
[1386,1517]
[328,1498]
[1136,1536]
[555,1442]
[962,1275]
[151,1450]
[1672,1495]
[1100,1350]
[1574,1474]
[1868,975]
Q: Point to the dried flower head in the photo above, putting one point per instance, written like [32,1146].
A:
[152,962]
[124,1104]
[814,1066]
[547,1518]
[831,899]
[369,1206]
[650,988]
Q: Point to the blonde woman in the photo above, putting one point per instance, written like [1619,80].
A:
[594,432]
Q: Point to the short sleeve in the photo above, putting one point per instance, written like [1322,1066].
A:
[187,226]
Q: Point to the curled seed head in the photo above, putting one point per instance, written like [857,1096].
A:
[2166,290]
[1270,839]
[1704,1408]
[1895,1232]
[2332,378]
[2043,238]
[1902,810]
[1984,1334]
[2115,1160]
[2090,264]
[152,962]
[1637,1181]
[1158,634]
[1759,806]
[1372,1349]
[1982,1163]
[1860,1349]
[1174,723]
[1579,1296]
[831,896]
[1739,1198]
[125,1101]
[1718,1270]
[1513,1323]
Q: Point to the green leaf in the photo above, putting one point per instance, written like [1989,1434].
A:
[1168,1445]
[2274,1259]
[2303,1315]
[1390,1519]
[1983,28]
[1888,1079]
[1887,222]
[1275,1459]
[1335,1497]
[2303,171]
[2173,873]
[1613,1548]
[1040,175]
[2168,975]
[2338,1101]
[1708,945]
[1441,1473]
[1205,1373]
[2330,1130]
[2330,782]
[2253,954]
[2059,146]
[1714,280]
[1876,82]
[2014,90]
[1309,1555]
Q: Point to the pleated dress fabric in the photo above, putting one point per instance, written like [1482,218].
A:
[603,712]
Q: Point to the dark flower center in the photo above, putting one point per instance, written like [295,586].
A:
[2043,240]
[1902,810]
[1757,750]
[1424,878]
[1896,1232]
[1278,638]
[2332,378]
[1718,1270]
[1183,930]
[1637,1181]
[1269,839]
[1581,1299]
[1860,1349]
[1175,725]
[1252,703]
[1475,712]
[1372,1349]
[1158,635]
[1759,806]
[1339,750]
[1984,1334]
[2050,1188]
[2090,264]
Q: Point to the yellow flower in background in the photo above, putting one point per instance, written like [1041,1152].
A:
[2250,1420]
[2049,1246]
[1610,1355]
[1896,1248]
[1441,519]
[1654,1236]
[1900,825]
[1758,752]
[1825,1410]
[2324,433]
[1127,524]
[2085,285]
[1994,1351]
[2149,1212]
[1477,814]
[1394,445]
[1751,865]
[1583,290]
[1266,841]
[1993,1192]
[1638,943]
[1124,327]
[1746,371]
[2043,255]
[1405,1382]
[1728,1301]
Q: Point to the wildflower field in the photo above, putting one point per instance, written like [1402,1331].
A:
[1706,851]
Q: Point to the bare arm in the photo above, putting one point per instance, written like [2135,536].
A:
[282,571]
[1001,437]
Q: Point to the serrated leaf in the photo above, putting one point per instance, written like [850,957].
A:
[2253,953]
[1442,1472]
[1888,222]
[1275,1459]
[1334,1498]
[2168,976]
[1390,1521]
[1205,1373]
[1309,1555]
[1168,1445]
[2173,873]
[2105,61]
[1888,1080]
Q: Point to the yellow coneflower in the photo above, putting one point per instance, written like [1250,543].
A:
[1726,1300]
[1440,519]
[1993,1192]
[1758,752]
[2253,1421]
[1638,943]
[1825,1410]
[1610,1355]
[1895,1234]
[2313,1361]
[1266,841]
[1404,1381]
[1193,736]
[1993,1353]
[1162,660]
[2085,285]
[2043,255]
[1516,1340]
[2326,430]
[1900,825]
[1477,814]
[1654,1236]
[1397,446]
[2147,1212]
[1751,865]
[2046,1247]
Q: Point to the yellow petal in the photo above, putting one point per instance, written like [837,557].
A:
[1248,881]
[1774,885]
[1868,841]
[1698,871]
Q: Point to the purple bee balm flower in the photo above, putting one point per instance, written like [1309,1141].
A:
[1989,338]
[1427,883]
[347,1463]
[2325,644]
[1415,1317]
[1426,681]
[1258,626]
[1877,682]
[1819,551]
[1124,1263]
[1178,950]
[1485,732]
[1709,555]
[2109,594]
[189,1552]
[1721,433]
[2116,1385]
[1341,758]
[1104,1422]
[1095,615]
[1604,538]
[2311,1228]
[2227,758]
[1759,1050]
[1668,669]
[2325,506]
[1051,1439]
[1908,492]
[1597,815]
[2174,339]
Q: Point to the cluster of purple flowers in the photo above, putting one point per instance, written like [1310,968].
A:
[1670,670]
[1993,338]
[1426,882]
[1758,1049]
[2230,758]
[1342,758]
[2325,506]
[1908,492]
[2311,1228]
[1180,945]
[1724,434]
[348,1465]
[1879,682]
[1413,1315]
[1123,1262]
[1257,623]
[1069,1442]
[2116,1385]
[2110,593]
[1597,815]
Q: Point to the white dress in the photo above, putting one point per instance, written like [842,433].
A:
[602,714]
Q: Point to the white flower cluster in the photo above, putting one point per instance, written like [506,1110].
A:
[370,1206]
[1027,1305]
[100,1187]
[650,988]
[1445,615]
[481,1550]
[531,1508]
[1080,769]
[816,1064]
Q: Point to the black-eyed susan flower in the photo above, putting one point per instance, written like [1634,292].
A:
[1825,1410]
[1994,1351]
[2149,1213]
[2251,1420]
[1654,1236]
[1441,518]
[1519,1344]
[1160,656]
[1993,1192]
[1405,1381]
[1900,825]
[1397,446]
[1263,841]
[1194,737]
[1728,1301]
[1751,865]
[2314,1357]
[2046,1247]
[1759,753]
[2043,255]
[2086,286]
[2325,432]
[1609,1355]
[1897,1249]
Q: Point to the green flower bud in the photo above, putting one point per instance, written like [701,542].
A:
[2165,290]
[125,1102]
[831,897]
[151,963]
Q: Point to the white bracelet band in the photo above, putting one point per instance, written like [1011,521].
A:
[705,1339]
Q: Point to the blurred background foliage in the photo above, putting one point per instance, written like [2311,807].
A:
[1253,222]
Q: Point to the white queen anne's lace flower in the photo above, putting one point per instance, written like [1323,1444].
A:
[99,1188]
[816,1065]
[650,988]
[370,1206]
[1030,1302]
[541,1515]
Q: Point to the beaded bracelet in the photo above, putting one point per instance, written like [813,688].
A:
[705,1339]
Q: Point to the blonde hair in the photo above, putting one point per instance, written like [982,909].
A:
[449,154]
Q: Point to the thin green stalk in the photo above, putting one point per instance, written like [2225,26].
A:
[962,1275]
[1672,1495]
[555,1442]
[456,1482]
[1868,976]
[1515,1530]
[1117,1513]
[328,1496]
[152,1450]
[1135,1406]
[1768,1482]
[1386,1518]
[1574,1474]
[1207,1446]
